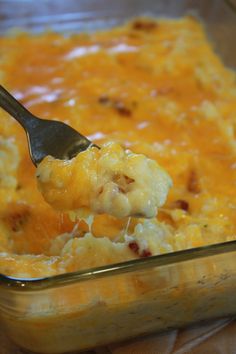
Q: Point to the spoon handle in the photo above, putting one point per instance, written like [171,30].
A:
[15,109]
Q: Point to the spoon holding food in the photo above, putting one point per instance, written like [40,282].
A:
[75,175]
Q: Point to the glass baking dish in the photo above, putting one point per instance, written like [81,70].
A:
[85,309]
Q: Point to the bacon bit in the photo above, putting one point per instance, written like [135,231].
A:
[145,253]
[122,109]
[144,25]
[193,183]
[122,182]
[134,247]
[18,219]
[118,105]
[104,99]
[128,180]
[181,204]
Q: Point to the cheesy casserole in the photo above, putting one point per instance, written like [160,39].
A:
[109,180]
[156,88]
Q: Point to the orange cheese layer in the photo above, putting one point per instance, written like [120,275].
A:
[155,87]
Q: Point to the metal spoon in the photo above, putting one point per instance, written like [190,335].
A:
[45,137]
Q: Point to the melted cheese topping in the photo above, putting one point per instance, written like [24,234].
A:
[108,180]
[154,87]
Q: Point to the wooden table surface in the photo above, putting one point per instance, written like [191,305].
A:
[214,337]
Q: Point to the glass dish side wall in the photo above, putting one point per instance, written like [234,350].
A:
[94,312]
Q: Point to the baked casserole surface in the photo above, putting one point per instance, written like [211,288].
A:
[154,87]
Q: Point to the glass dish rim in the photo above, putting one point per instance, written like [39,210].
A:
[40,20]
[54,281]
